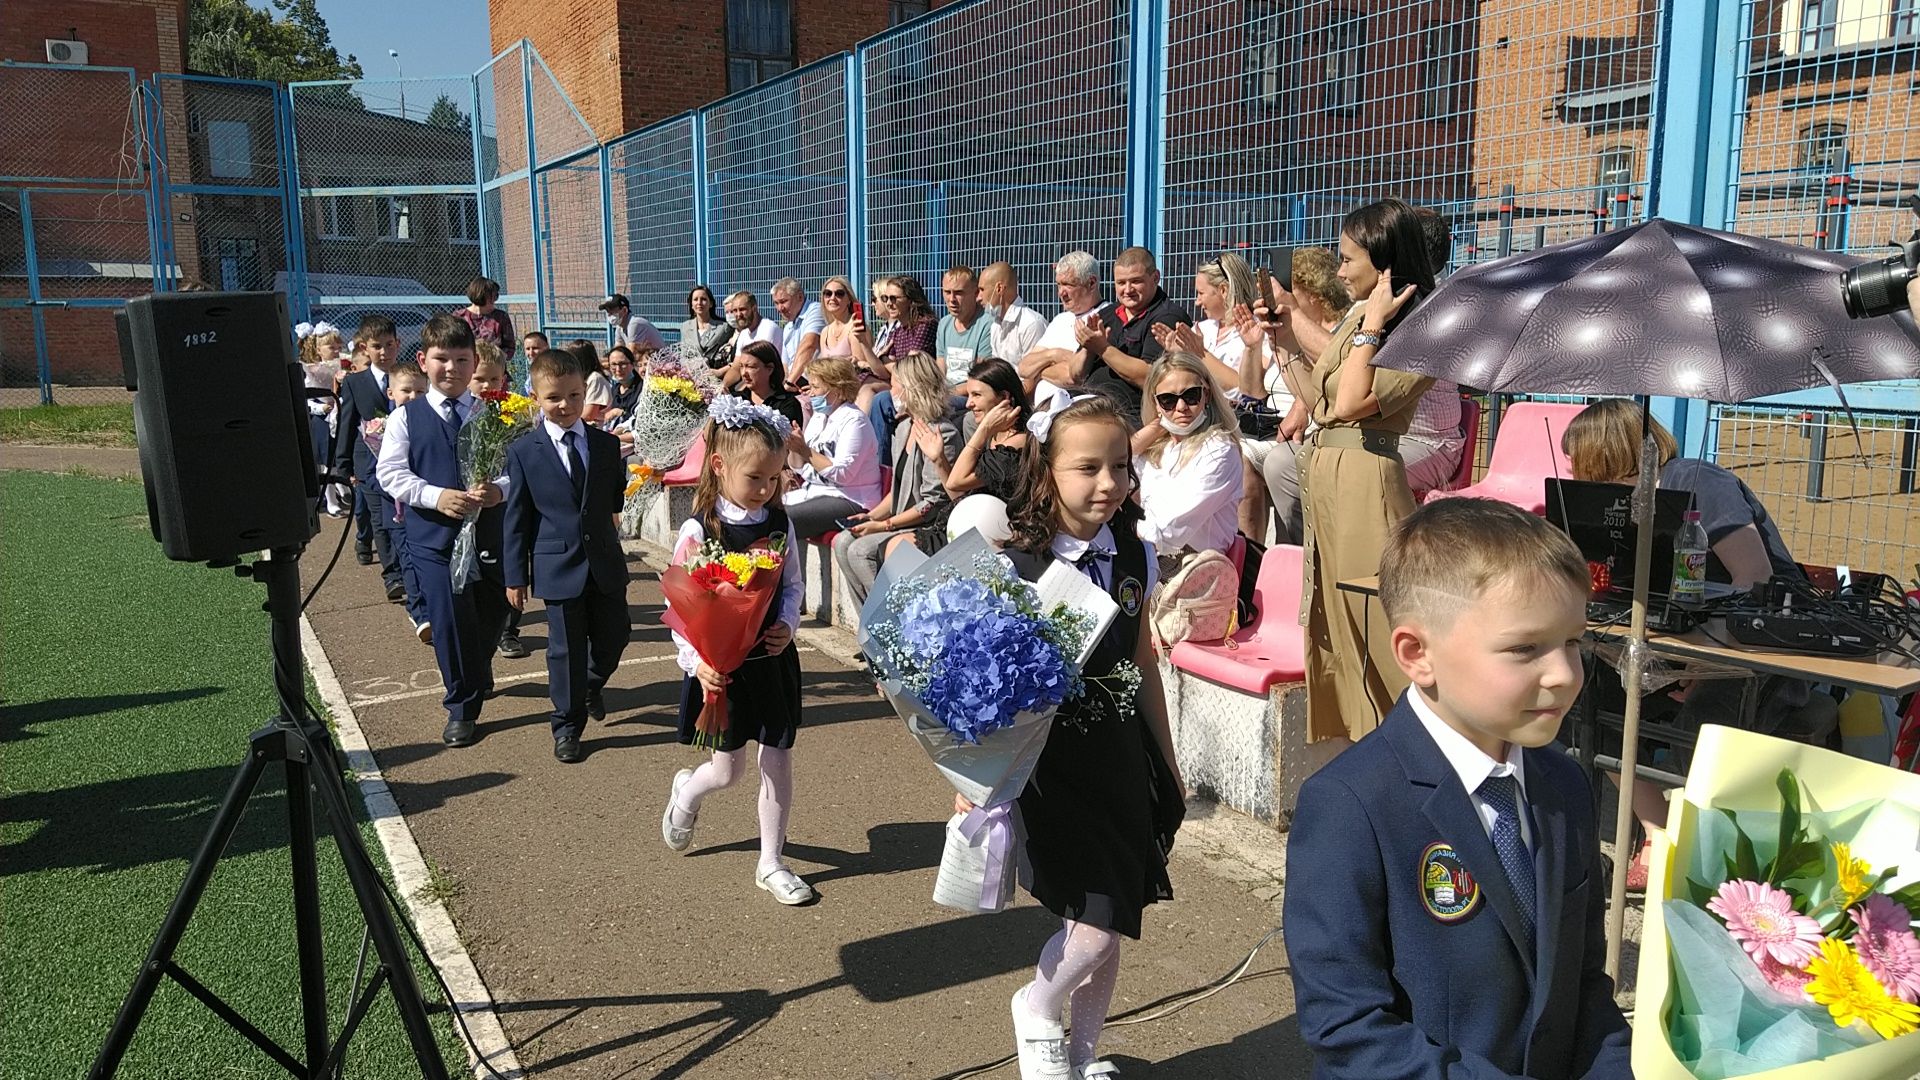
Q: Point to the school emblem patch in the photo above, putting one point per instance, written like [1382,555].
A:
[1131,594]
[1447,888]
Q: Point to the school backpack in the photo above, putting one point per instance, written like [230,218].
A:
[1198,600]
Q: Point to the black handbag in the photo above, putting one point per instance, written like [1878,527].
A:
[1257,421]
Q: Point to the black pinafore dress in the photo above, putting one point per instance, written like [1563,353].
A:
[763,700]
[1101,808]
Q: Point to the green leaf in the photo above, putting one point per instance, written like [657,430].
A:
[1699,894]
[1908,897]
[1744,862]
[1789,823]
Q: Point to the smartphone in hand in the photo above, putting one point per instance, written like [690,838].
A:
[1266,294]
[844,524]
[856,315]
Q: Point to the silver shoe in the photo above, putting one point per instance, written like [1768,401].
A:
[677,838]
[1041,1043]
[786,886]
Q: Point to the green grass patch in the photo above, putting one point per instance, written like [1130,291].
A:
[130,686]
[84,425]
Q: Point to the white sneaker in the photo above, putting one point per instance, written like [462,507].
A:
[1095,1070]
[423,631]
[1041,1043]
[676,837]
[786,886]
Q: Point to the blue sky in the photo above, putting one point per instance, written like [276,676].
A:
[435,37]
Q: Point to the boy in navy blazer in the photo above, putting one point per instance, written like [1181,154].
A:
[363,397]
[419,466]
[565,485]
[1445,902]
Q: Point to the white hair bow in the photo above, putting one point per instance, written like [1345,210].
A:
[1040,422]
[323,328]
[303,331]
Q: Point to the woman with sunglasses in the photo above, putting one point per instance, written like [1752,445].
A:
[1187,454]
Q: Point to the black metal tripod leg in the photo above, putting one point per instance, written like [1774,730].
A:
[199,872]
[308,935]
[364,877]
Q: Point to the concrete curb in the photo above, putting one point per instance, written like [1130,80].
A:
[471,997]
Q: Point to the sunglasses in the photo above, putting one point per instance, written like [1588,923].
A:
[835,292]
[1192,395]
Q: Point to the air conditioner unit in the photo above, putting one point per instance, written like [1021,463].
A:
[62,51]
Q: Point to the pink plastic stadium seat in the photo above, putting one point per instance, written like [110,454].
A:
[1273,649]
[1470,439]
[1525,453]
[688,471]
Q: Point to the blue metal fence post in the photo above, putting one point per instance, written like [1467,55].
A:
[42,359]
[161,221]
[533,184]
[1146,121]
[1691,147]
[702,222]
[298,294]
[480,176]
[857,168]
[606,217]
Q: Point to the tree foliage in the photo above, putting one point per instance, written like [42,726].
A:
[446,113]
[291,44]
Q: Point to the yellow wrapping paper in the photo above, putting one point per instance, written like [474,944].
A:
[1736,770]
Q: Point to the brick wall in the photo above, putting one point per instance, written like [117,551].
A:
[79,127]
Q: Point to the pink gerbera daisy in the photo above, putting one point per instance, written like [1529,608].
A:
[1761,918]
[1887,946]
[1791,981]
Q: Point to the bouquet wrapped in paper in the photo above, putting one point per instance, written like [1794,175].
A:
[374,432]
[671,410]
[1779,940]
[717,600]
[643,487]
[976,661]
[500,418]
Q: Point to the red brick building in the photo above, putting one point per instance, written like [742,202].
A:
[628,63]
[91,238]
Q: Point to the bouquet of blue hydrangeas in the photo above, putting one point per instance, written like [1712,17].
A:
[976,661]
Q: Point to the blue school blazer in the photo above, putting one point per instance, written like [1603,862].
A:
[1408,953]
[560,546]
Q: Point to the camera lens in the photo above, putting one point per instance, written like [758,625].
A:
[1877,288]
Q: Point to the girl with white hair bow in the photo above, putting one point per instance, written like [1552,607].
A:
[321,345]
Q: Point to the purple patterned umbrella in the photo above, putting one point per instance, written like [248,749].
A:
[1658,308]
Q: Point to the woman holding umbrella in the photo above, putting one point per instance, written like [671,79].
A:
[1353,485]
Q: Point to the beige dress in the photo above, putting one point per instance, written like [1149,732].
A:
[1353,491]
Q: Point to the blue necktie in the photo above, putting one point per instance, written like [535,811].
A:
[576,467]
[1503,794]
[1092,562]
[453,412]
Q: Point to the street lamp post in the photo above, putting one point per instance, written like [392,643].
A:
[395,53]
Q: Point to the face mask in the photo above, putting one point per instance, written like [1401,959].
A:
[996,311]
[818,402]
[1186,428]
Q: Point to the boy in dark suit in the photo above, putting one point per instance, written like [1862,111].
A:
[419,466]
[1444,899]
[363,397]
[565,484]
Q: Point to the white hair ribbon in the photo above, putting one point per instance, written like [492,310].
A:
[323,328]
[1040,422]
[303,331]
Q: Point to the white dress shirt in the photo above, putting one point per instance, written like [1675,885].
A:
[1016,332]
[846,437]
[767,330]
[396,478]
[793,580]
[1195,505]
[1473,766]
[557,436]
[1060,333]
[1068,549]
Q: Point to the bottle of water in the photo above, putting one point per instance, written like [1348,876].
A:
[1690,561]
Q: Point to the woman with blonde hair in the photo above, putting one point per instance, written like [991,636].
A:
[840,467]
[1187,454]
[837,299]
[1273,465]
[926,442]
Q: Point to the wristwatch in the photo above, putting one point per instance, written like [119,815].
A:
[1364,337]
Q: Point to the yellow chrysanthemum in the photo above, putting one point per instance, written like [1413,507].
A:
[739,565]
[1851,993]
[1854,875]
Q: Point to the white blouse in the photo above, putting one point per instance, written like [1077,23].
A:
[793,573]
[1195,505]
[846,438]
[1229,348]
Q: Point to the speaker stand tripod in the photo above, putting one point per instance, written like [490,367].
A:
[303,747]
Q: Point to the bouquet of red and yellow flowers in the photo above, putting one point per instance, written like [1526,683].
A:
[718,600]
[500,418]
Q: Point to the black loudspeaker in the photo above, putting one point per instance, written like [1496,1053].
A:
[220,415]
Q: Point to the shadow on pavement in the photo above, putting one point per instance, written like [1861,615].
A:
[892,848]
[946,954]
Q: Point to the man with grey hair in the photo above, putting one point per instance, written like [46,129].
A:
[801,324]
[1058,357]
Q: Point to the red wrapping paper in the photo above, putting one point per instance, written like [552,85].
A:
[721,621]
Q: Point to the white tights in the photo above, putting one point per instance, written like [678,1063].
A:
[1080,963]
[776,796]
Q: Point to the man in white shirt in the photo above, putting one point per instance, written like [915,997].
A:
[749,326]
[631,330]
[801,323]
[1015,328]
[1057,357]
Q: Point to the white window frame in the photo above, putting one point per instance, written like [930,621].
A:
[1344,79]
[396,219]
[1263,57]
[224,138]
[463,219]
[335,216]
[1441,91]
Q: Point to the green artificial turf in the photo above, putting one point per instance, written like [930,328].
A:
[86,425]
[128,686]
